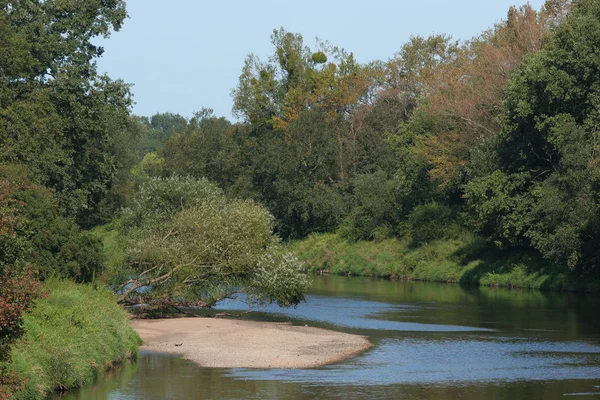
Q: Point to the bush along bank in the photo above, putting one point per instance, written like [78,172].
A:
[463,259]
[72,336]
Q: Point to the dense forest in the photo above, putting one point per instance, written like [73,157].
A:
[488,147]
[494,137]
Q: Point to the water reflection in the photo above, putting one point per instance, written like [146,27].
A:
[431,342]
[352,313]
[168,377]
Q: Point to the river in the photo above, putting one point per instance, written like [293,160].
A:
[431,341]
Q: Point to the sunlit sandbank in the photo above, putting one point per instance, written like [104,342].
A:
[223,343]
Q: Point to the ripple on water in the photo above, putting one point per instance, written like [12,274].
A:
[353,313]
[544,347]
[450,361]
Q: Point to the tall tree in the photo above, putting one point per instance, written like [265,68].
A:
[296,79]
[468,93]
[549,145]
[58,115]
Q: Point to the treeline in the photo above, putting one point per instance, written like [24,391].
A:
[494,139]
[496,135]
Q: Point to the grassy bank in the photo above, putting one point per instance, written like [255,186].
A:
[463,259]
[72,337]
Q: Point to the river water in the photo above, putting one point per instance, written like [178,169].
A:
[431,341]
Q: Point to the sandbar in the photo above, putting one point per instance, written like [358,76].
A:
[227,343]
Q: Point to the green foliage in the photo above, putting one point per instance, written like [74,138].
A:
[156,130]
[394,258]
[276,278]
[319,57]
[430,222]
[151,165]
[498,209]
[165,125]
[546,193]
[297,175]
[188,244]
[464,259]
[37,234]
[295,79]
[158,199]
[375,197]
[395,148]
[72,337]
[113,247]
[122,187]
[59,116]
[207,149]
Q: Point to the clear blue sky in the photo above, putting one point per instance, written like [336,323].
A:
[183,55]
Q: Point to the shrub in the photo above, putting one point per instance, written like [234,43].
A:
[33,231]
[431,222]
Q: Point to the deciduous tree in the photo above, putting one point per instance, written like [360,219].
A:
[189,245]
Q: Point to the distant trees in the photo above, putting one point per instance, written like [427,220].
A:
[496,135]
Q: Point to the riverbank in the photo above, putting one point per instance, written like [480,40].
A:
[224,343]
[462,259]
[72,337]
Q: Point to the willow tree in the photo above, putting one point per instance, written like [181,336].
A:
[187,244]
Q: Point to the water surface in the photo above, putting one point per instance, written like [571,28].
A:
[431,341]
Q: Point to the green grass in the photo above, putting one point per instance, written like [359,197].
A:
[463,259]
[386,258]
[72,337]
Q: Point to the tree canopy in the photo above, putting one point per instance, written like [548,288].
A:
[59,116]
[187,244]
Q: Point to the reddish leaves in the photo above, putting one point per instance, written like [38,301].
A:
[10,384]
[469,92]
[17,293]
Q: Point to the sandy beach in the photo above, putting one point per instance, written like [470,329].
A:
[225,343]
